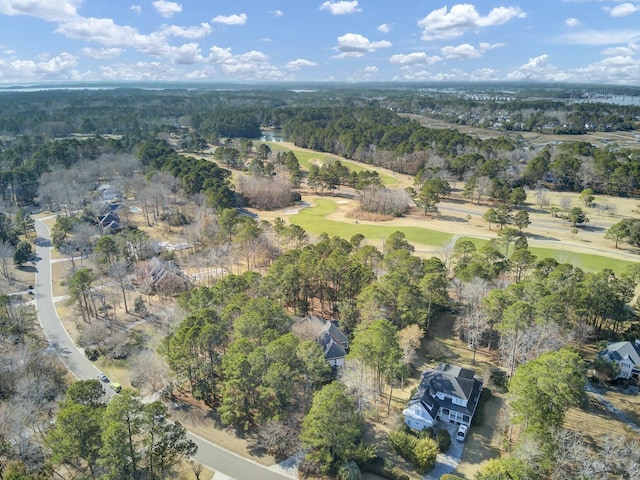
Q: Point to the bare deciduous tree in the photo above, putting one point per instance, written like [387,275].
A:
[6,260]
[361,384]
[149,371]
[384,201]
[266,193]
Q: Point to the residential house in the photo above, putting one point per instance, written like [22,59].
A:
[110,222]
[109,192]
[447,393]
[627,355]
[334,343]
[165,278]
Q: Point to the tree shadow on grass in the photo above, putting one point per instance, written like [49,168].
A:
[28,269]
[535,236]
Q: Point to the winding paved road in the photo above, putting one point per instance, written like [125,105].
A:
[226,464]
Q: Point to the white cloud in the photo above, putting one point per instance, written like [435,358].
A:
[538,69]
[186,54]
[484,74]
[463,51]
[138,71]
[353,45]
[384,28]
[300,62]
[622,69]
[630,49]
[46,9]
[136,8]
[341,8]
[61,66]
[167,9]
[240,19]
[186,32]
[624,10]
[102,53]
[252,65]
[601,37]
[416,58]
[277,13]
[572,22]
[446,24]
[466,51]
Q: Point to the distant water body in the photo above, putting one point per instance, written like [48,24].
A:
[272,136]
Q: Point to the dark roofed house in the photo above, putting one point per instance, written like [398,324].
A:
[110,221]
[333,341]
[447,393]
[627,356]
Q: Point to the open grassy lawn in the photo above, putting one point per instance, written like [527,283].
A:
[313,221]
[585,261]
[306,158]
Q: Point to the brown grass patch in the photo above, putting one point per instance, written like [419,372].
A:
[595,422]
[368,216]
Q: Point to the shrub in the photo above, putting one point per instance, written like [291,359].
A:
[449,476]
[402,443]
[312,465]
[92,353]
[443,438]
[499,378]
[428,432]
[385,469]
[424,454]
[349,470]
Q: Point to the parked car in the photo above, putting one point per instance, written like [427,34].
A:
[116,386]
[103,378]
[462,433]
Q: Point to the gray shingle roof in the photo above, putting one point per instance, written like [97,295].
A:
[618,351]
[448,380]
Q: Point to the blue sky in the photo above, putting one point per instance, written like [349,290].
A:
[590,41]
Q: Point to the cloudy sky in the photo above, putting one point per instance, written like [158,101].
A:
[305,40]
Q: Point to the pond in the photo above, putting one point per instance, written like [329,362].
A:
[272,135]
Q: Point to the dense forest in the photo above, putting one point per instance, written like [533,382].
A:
[238,343]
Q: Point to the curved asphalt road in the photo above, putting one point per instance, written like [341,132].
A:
[227,464]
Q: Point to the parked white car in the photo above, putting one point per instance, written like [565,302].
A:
[462,433]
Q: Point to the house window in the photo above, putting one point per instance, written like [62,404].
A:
[445,411]
[465,418]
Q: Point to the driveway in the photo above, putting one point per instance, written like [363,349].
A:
[447,462]
[224,462]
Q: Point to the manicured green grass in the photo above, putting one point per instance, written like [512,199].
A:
[313,221]
[305,161]
[585,261]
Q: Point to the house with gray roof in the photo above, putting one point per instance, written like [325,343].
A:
[447,393]
[333,341]
[625,354]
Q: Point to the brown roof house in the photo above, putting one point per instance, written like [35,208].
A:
[162,278]
[333,341]
[447,393]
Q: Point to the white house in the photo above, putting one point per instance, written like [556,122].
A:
[625,354]
[447,393]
